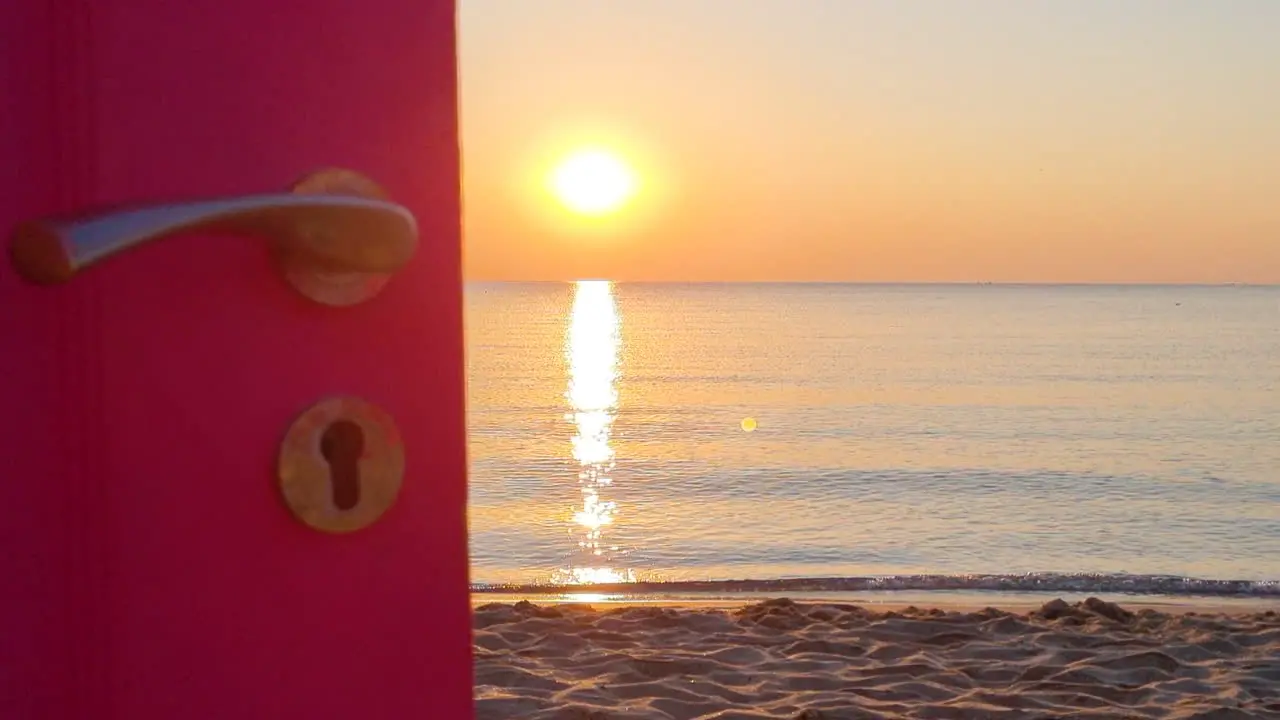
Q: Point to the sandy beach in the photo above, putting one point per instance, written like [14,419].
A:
[817,661]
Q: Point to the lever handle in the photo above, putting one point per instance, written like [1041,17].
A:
[335,236]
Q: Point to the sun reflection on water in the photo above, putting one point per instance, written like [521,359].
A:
[591,346]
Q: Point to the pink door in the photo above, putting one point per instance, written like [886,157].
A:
[161,556]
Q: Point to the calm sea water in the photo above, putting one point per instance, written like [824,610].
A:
[722,431]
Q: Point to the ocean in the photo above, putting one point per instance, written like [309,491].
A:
[846,436]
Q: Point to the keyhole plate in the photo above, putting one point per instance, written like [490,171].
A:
[306,475]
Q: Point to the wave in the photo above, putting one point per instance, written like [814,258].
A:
[1165,585]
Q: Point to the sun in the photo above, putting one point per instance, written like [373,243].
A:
[593,182]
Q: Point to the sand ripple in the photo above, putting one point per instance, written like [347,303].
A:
[780,659]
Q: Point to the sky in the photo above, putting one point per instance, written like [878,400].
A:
[877,140]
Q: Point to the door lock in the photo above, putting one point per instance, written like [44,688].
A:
[341,465]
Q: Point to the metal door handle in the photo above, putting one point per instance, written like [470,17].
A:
[335,237]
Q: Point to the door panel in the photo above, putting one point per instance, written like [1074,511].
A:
[154,571]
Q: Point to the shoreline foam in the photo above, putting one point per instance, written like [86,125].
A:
[1037,583]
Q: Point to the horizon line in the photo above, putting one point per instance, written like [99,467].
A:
[967,283]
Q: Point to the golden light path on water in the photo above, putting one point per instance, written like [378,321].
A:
[592,344]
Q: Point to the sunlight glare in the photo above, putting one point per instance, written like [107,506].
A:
[593,182]
[592,346]
[590,597]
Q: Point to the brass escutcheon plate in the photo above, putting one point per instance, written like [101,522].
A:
[334,287]
[306,475]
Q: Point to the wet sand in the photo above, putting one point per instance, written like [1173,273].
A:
[827,660]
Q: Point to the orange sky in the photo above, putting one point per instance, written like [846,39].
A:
[1051,141]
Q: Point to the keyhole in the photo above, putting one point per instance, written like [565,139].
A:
[341,445]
